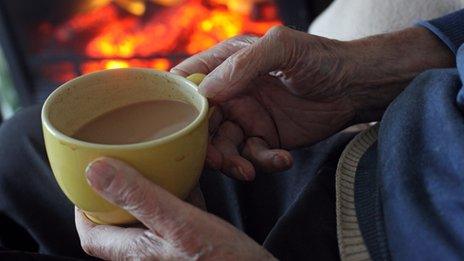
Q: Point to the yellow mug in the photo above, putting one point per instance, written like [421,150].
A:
[174,162]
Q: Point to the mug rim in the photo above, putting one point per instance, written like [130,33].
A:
[190,127]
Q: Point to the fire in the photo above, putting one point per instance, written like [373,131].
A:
[219,25]
[137,33]
[159,64]
[113,64]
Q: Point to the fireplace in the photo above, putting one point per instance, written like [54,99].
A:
[47,42]
[58,40]
[124,33]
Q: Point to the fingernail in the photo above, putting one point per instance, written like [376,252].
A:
[280,161]
[175,71]
[99,174]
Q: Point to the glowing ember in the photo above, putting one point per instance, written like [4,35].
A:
[127,33]
[113,64]
[159,64]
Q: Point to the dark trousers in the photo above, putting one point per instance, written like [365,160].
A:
[291,213]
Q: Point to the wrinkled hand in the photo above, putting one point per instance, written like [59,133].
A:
[278,92]
[174,230]
[289,89]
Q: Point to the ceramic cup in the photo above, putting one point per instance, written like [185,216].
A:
[174,162]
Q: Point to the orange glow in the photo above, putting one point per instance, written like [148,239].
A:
[161,64]
[124,34]
[135,7]
[167,2]
[238,6]
[113,64]
[59,72]
[158,64]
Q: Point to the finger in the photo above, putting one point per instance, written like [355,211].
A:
[83,224]
[215,120]
[233,76]
[268,160]
[196,198]
[253,118]
[156,208]
[113,243]
[207,60]
[213,158]
[227,140]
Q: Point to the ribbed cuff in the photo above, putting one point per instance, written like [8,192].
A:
[449,28]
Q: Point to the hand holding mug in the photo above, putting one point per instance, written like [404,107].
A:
[289,89]
[174,229]
[273,94]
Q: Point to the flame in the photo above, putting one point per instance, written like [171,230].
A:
[113,64]
[124,34]
[167,2]
[240,6]
[161,64]
[135,7]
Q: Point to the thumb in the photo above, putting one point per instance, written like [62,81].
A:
[123,186]
[234,75]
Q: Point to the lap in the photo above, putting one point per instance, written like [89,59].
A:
[32,199]
[291,213]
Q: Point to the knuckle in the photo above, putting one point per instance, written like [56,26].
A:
[278,32]
[251,146]
[236,42]
[123,188]
[232,45]
[238,60]
[88,247]
[138,200]
[231,131]
[226,127]
[88,243]
[130,196]
[247,39]
[150,244]
[248,149]
[251,142]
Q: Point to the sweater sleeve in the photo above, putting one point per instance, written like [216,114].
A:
[449,28]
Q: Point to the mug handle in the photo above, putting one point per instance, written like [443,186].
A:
[197,78]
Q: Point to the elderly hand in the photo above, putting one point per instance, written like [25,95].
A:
[264,103]
[290,89]
[174,230]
